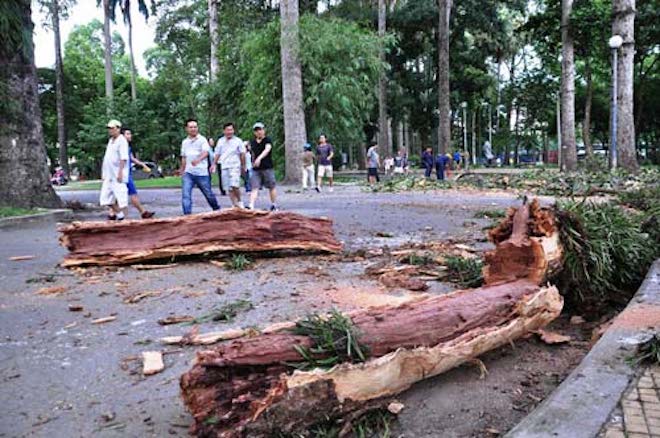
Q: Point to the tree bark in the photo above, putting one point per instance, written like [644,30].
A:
[444,104]
[107,45]
[243,387]
[24,178]
[127,242]
[624,25]
[586,123]
[129,23]
[383,127]
[569,151]
[59,89]
[215,37]
[295,132]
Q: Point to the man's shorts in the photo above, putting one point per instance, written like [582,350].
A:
[262,178]
[231,178]
[112,191]
[372,171]
[325,170]
[131,187]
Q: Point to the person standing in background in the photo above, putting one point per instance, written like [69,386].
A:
[373,163]
[308,168]
[248,168]
[324,152]
[427,161]
[132,190]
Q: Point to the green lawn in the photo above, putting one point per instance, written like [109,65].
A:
[13,211]
[153,183]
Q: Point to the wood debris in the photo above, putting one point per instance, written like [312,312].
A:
[153,267]
[52,290]
[140,296]
[552,338]
[176,319]
[104,320]
[152,362]
[21,258]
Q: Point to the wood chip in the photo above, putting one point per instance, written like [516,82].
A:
[21,258]
[151,267]
[175,319]
[104,320]
[395,407]
[206,338]
[552,338]
[52,290]
[139,296]
[218,263]
[152,362]
[577,320]
[75,308]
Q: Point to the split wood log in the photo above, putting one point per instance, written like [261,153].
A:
[247,386]
[527,246]
[135,241]
[241,388]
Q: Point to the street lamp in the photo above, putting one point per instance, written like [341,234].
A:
[464,106]
[490,123]
[615,43]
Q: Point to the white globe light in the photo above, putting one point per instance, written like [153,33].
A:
[615,42]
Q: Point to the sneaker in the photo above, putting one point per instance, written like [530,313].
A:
[273,208]
[331,189]
[112,217]
[318,190]
[120,216]
[148,214]
[241,205]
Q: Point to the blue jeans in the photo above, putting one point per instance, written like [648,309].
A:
[428,168]
[440,171]
[247,177]
[204,183]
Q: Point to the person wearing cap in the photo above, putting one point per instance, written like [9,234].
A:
[230,153]
[263,173]
[308,167]
[132,190]
[325,152]
[194,169]
[114,193]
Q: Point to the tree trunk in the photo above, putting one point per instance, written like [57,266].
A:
[129,22]
[383,127]
[624,25]
[586,124]
[243,387]
[569,151]
[24,178]
[59,89]
[499,92]
[107,43]
[444,122]
[107,243]
[295,133]
[213,31]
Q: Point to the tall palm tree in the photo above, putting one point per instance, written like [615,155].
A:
[24,179]
[107,45]
[125,7]
[383,126]
[295,132]
[215,40]
[568,148]
[444,126]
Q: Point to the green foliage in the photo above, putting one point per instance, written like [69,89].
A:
[648,352]
[372,424]
[225,313]
[606,253]
[14,211]
[239,262]
[335,340]
[467,272]
[420,259]
[490,214]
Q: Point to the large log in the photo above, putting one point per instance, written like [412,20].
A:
[246,387]
[134,241]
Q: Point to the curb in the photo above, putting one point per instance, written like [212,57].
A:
[60,213]
[581,405]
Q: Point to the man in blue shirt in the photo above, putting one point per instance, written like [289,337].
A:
[427,161]
[441,163]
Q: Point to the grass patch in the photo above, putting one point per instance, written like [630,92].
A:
[238,262]
[225,313]
[419,259]
[372,424]
[606,253]
[649,352]
[14,211]
[490,214]
[335,340]
[463,271]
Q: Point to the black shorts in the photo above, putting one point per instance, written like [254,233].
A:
[372,171]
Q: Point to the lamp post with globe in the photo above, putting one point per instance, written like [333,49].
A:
[615,44]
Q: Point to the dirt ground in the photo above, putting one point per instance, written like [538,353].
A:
[62,375]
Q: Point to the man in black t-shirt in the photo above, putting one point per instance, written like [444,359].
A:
[263,174]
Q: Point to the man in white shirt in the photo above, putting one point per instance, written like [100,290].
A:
[114,173]
[194,169]
[230,153]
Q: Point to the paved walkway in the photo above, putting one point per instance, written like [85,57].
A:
[639,416]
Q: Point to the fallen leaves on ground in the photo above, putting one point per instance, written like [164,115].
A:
[552,337]
[52,290]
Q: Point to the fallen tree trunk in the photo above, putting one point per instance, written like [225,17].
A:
[127,242]
[248,386]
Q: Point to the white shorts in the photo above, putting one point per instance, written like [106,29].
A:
[398,170]
[325,170]
[112,191]
[231,178]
